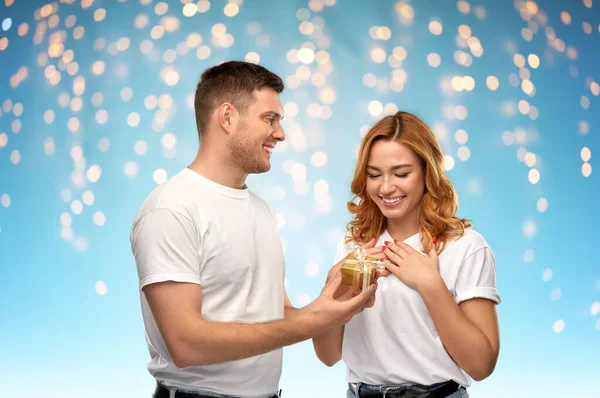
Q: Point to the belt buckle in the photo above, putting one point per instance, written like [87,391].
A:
[353,387]
[385,389]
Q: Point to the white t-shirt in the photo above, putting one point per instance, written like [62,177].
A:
[191,229]
[395,341]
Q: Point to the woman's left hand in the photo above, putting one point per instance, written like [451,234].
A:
[410,266]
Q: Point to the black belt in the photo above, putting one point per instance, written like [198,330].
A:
[414,391]
[163,392]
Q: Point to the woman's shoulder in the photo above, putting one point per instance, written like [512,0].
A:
[469,242]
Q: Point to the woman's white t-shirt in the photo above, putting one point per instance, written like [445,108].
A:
[395,341]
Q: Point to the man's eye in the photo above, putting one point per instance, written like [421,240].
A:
[270,121]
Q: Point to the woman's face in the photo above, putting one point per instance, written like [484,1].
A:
[395,180]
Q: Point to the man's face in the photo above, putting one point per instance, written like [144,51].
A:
[257,133]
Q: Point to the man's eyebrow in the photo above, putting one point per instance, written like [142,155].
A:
[272,113]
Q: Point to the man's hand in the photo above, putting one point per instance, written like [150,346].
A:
[333,308]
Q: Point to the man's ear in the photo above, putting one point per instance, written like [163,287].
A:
[227,115]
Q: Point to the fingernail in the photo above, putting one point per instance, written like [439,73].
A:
[382,259]
[395,240]
[383,247]
[434,239]
[387,243]
[339,273]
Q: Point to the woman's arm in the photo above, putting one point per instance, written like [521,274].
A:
[469,330]
[328,345]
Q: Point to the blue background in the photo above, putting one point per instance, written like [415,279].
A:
[69,306]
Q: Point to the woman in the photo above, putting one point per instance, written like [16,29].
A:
[433,326]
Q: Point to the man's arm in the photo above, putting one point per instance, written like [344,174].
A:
[289,311]
[193,341]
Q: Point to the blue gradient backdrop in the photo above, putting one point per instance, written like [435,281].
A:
[79,87]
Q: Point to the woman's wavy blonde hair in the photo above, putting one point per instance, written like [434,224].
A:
[437,213]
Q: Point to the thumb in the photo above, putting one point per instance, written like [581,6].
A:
[332,286]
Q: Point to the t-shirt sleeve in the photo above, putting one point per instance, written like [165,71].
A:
[165,245]
[477,277]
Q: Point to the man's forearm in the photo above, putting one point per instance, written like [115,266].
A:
[464,341]
[290,312]
[206,342]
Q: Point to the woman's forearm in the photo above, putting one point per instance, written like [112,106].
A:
[328,345]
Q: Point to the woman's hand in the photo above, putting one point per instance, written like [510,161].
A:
[414,269]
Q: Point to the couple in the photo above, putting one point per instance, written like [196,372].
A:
[211,266]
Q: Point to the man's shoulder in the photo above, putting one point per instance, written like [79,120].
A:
[172,195]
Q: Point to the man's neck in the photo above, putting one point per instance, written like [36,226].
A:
[213,165]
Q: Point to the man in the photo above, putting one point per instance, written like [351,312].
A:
[209,258]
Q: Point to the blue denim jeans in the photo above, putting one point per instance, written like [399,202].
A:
[460,393]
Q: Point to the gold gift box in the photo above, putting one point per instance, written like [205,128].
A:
[359,270]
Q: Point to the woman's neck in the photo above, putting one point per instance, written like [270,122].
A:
[402,228]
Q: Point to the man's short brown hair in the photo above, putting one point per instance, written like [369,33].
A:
[234,82]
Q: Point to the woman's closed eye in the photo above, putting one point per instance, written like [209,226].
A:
[372,176]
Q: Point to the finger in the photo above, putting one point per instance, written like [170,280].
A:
[433,251]
[406,247]
[342,290]
[359,309]
[347,293]
[391,267]
[397,249]
[371,302]
[333,285]
[362,298]
[370,244]
[377,255]
[394,256]
[380,273]
[373,251]
[335,269]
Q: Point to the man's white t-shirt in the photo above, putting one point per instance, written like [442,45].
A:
[395,341]
[191,229]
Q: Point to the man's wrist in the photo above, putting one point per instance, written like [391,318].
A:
[310,319]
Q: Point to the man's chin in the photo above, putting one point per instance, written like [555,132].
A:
[260,169]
